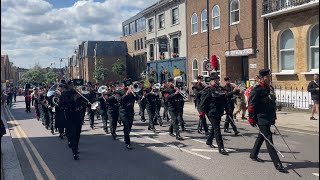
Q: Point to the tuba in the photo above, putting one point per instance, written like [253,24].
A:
[137,86]
[53,91]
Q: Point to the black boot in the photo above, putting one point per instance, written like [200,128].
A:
[114,136]
[128,146]
[223,152]
[281,169]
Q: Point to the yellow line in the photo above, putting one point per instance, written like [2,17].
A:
[25,149]
[36,153]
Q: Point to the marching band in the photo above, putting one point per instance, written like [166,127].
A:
[62,107]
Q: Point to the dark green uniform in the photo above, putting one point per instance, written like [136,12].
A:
[213,104]
[113,111]
[142,104]
[197,95]
[151,101]
[230,108]
[262,112]
[127,114]
[103,113]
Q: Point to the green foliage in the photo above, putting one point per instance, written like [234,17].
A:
[100,72]
[34,75]
[51,77]
[119,67]
[37,75]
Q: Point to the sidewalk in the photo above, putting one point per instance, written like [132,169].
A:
[289,120]
[10,165]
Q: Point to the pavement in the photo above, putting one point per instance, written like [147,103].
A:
[42,155]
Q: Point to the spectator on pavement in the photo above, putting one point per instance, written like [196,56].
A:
[313,88]
[3,98]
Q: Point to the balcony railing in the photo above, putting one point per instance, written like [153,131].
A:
[270,6]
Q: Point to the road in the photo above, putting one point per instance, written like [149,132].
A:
[155,156]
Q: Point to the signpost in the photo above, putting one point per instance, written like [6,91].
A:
[208,66]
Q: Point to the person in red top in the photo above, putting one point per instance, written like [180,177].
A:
[28,99]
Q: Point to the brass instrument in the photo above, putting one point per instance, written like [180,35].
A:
[102,89]
[137,86]
[53,91]
[179,84]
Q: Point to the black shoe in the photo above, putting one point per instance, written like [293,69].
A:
[200,131]
[236,133]
[223,152]
[75,156]
[183,129]
[143,119]
[61,136]
[179,138]
[52,132]
[91,126]
[312,118]
[211,145]
[161,124]
[207,133]
[257,159]
[281,169]
[107,132]
[128,146]
[227,131]
[114,136]
[172,135]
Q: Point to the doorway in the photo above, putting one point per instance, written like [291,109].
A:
[245,69]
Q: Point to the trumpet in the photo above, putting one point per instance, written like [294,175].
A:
[183,94]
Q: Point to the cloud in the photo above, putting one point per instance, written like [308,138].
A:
[34,31]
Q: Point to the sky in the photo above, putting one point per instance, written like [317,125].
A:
[45,31]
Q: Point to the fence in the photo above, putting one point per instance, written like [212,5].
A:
[293,97]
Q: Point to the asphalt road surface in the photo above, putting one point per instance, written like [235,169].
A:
[154,156]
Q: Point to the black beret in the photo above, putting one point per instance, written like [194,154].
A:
[264,72]
[89,83]
[200,78]
[214,76]
[151,80]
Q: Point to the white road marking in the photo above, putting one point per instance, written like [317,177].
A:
[175,147]
[204,150]
[316,174]
[36,153]
[196,140]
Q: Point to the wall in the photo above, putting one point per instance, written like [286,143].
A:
[300,24]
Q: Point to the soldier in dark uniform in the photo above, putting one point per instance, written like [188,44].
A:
[158,118]
[197,88]
[50,113]
[113,109]
[103,111]
[91,97]
[212,104]
[35,103]
[171,94]
[128,97]
[151,108]
[229,90]
[262,113]
[59,114]
[73,105]
[142,102]
[44,103]
[164,102]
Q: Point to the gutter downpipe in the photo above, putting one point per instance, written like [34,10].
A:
[269,47]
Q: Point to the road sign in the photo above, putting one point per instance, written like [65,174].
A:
[208,66]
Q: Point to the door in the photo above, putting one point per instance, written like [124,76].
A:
[245,69]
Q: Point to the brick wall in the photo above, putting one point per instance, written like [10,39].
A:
[300,24]
[249,33]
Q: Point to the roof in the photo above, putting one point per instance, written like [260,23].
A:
[105,48]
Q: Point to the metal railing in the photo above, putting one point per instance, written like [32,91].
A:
[293,97]
[270,6]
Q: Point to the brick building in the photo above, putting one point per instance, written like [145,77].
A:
[294,40]
[90,52]
[236,36]
[134,35]
[6,69]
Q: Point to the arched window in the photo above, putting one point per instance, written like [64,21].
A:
[204,21]
[195,70]
[204,71]
[234,12]
[194,24]
[314,48]
[216,17]
[287,51]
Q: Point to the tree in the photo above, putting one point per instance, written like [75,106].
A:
[34,75]
[100,72]
[51,77]
[119,67]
